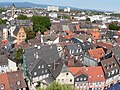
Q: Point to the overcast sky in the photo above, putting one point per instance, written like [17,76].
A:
[112,5]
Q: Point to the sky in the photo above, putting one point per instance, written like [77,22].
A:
[111,5]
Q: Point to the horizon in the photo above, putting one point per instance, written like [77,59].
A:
[82,4]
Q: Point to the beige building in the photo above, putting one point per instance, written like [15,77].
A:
[19,34]
[65,77]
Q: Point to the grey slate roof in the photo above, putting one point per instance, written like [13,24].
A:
[49,37]
[3,60]
[75,47]
[58,68]
[48,53]
[116,51]
[21,22]
[15,32]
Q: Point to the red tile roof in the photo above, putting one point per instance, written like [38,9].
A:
[4,42]
[95,74]
[96,53]
[105,45]
[96,35]
[10,80]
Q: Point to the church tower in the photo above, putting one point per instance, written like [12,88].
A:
[13,10]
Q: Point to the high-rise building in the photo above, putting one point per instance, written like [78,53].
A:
[52,8]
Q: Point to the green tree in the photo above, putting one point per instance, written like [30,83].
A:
[19,54]
[2,10]
[41,24]
[30,33]
[66,17]
[3,21]
[113,26]
[57,86]
[22,17]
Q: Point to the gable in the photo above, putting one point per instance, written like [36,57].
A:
[40,69]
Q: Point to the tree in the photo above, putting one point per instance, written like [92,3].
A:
[30,34]
[19,54]
[66,17]
[41,24]
[22,17]
[113,26]
[2,10]
[3,21]
[57,86]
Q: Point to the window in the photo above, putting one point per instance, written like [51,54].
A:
[112,72]
[70,80]
[116,70]
[108,73]
[2,87]
[18,82]
[45,71]
[84,78]
[35,73]
[76,51]
[66,73]
[77,79]
[81,79]
[42,71]
[42,66]
[72,51]
[38,67]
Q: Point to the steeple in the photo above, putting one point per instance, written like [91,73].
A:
[13,10]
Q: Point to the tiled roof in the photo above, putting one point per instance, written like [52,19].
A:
[3,60]
[95,74]
[12,80]
[96,53]
[105,45]
[15,32]
[109,65]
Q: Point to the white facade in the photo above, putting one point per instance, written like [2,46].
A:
[65,78]
[97,17]
[12,65]
[53,15]
[4,68]
[11,30]
[67,9]
[52,8]
[5,33]
[112,80]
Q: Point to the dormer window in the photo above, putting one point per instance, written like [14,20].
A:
[81,79]
[77,79]
[35,73]
[18,82]
[112,72]
[116,70]
[84,78]
[2,87]
[107,67]
[76,51]
[38,67]
[42,66]
[72,51]
[108,73]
